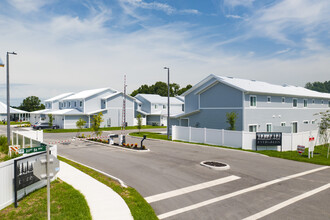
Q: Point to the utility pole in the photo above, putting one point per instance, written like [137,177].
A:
[124,114]
[8,99]
[168,102]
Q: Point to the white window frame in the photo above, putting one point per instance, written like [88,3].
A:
[283,124]
[329,103]
[306,100]
[293,103]
[322,102]
[270,99]
[156,106]
[69,104]
[313,122]
[74,104]
[253,96]
[250,125]
[164,106]
[313,101]
[297,126]
[271,126]
[283,100]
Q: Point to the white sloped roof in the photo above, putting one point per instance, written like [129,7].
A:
[87,93]
[117,93]
[157,99]
[69,111]
[42,111]
[56,98]
[255,86]
[3,109]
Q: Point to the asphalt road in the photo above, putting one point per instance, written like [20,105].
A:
[170,166]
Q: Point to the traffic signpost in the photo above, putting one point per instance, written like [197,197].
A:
[311,146]
[31,150]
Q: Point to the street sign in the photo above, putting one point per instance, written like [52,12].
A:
[311,146]
[40,167]
[31,150]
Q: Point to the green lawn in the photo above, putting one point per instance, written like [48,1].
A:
[66,203]
[102,129]
[140,209]
[15,123]
[320,153]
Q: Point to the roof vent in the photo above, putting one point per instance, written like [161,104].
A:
[253,80]
[230,77]
[285,85]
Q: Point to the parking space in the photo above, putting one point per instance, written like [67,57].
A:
[178,187]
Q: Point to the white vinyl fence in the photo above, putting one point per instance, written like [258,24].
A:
[240,139]
[7,169]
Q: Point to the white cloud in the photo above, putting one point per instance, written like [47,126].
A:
[279,21]
[282,51]
[234,16]
[235,3]
[27,6]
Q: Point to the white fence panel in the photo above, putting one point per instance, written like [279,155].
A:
[181,133]
[197,135]
[233,139]
[214,136]
[249,141]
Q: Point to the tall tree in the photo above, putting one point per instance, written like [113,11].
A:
[97,120]
[319,86]
[31,103]
[160,88]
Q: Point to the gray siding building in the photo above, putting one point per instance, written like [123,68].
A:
[260,106]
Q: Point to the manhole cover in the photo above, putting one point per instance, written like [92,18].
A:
[215,165]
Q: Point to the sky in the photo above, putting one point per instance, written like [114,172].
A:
[73,45]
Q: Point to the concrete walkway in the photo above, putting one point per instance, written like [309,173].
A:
[103,202]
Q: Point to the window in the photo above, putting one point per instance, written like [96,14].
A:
[155,106]
[313,101]
[283,124]
[329,103]
[283,99]
[322,102]
[294,102]
[253,100]
[75,104]
[252,128]
[64,104]
[306,122]
[269,99]
[269,127]
[313,122]
[164,106]
[305,103]
[294,127]
[69,104]
[80,104]
[183,106]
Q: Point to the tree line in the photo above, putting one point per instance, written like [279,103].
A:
[319,86]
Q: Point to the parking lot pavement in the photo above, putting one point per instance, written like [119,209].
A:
[178,187]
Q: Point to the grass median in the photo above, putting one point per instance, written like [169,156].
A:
[66,203]
[102,129]
[138,206]
[320,152]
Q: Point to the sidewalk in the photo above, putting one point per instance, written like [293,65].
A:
[103,202]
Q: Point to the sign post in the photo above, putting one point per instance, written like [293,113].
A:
[311,147]
[268,139]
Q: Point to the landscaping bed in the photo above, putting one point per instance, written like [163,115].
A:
[66,203]
[101,129]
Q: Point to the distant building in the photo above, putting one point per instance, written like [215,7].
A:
[15,114]
[68,108]
[154,108]
[260,106]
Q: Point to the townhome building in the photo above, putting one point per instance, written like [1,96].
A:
[260,106]
[154,108]
[68,108]
[15,114]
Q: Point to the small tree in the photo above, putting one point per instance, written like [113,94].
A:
[97,120]
[80,124]
[51,119]
[324,127]
[231,120]
[139,122]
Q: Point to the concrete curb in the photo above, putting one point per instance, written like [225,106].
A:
[121,148]
[106,174]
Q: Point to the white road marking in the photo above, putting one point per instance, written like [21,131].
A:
[239,192]
[189,189]
[286,203]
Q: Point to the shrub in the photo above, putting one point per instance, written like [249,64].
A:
[3,144]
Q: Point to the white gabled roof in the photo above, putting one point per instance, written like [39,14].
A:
[87,93]
[69,111]
[254,86]
[117,93]
[42,111]
[157,99]
[56,98]
[3,109]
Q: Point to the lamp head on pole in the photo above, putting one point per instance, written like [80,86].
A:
[13,53]
[166,68]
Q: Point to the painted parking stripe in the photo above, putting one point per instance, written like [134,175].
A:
[239,192]
[287,202]
[189,189]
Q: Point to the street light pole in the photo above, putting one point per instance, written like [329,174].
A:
[168,102]
[8,101]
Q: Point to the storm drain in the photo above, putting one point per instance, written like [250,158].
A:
[216,165]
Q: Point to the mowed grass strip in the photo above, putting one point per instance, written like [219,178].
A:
[140,209]
[102,129]
[66,203]
[320,152]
